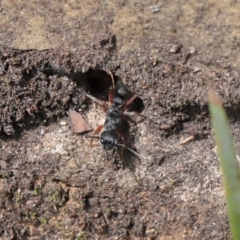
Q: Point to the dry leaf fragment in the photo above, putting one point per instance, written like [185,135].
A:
[79,124]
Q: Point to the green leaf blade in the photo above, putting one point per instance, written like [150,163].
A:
[228,162]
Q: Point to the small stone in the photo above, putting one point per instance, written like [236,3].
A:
[42,132]
[3,164]
[63,123]
[174,49]
[8,129]
[192,50]
[213,233]
[161,159]
[83,106]
[154,9]
[64,153]
[65,128]
[196,69]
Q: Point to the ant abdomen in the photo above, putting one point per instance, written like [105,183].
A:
[121,90]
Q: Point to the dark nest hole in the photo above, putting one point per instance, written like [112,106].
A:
[99,82]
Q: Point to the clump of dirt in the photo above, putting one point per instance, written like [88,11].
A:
[40,86]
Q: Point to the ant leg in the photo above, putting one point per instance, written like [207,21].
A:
[96,131]
[110,73]
[111,95]
[128,102]
[111,91]
[134,113]
[97,101]
[124,142]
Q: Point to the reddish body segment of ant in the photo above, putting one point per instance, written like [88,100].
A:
[112,136]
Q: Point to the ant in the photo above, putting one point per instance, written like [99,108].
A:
[112,136]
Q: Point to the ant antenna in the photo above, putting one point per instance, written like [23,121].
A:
[110,73]
[132,151]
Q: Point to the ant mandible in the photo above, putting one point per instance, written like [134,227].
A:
[112,136]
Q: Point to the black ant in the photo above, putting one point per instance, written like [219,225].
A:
[112,136]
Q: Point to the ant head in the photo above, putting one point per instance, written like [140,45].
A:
[109,141]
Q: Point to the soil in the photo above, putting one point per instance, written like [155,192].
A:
[53,184]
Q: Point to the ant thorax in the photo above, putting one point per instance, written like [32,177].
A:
[113,120]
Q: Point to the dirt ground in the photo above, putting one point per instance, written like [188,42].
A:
[53,185]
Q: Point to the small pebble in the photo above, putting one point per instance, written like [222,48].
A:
[65,128]
[174,49]
[196,69]
[213,233]
[63,123]
[8,129]
[192,50]
[154,9]
[42,132]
